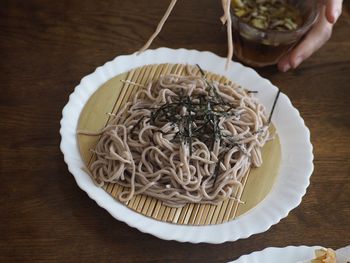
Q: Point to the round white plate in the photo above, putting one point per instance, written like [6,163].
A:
[289,188]
[289,254]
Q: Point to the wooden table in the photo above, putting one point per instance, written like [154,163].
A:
[48,46]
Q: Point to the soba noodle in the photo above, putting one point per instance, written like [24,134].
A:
[182,140]
[160,26]
[225,19]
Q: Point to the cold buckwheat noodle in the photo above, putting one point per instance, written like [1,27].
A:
[225,19]
[182,140]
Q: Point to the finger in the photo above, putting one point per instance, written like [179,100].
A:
[317,36]
[333,10]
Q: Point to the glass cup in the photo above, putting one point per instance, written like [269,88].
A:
[263,47]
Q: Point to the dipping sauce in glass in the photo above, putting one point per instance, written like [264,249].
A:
[265,30]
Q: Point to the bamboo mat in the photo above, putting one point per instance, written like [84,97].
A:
[110,97]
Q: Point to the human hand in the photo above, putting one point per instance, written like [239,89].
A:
[315,38]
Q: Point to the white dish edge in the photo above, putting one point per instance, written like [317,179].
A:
[288,190]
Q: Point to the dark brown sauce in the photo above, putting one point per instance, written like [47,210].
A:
[256,53]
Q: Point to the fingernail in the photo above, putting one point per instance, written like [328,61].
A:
[285,67]
[297,62]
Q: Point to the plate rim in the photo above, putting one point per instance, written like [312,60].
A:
[271,251]
[229,231]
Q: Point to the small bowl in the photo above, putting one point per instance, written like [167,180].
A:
[264,47]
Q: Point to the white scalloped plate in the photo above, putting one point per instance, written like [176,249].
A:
[289,254]
[287,192]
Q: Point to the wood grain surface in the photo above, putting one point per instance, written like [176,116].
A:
[46,47]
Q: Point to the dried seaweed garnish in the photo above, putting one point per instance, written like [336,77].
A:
[201,118]
[136,125]
[217,168]
[198,117]
[273,106]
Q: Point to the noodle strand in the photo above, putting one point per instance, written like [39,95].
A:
[147,154]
